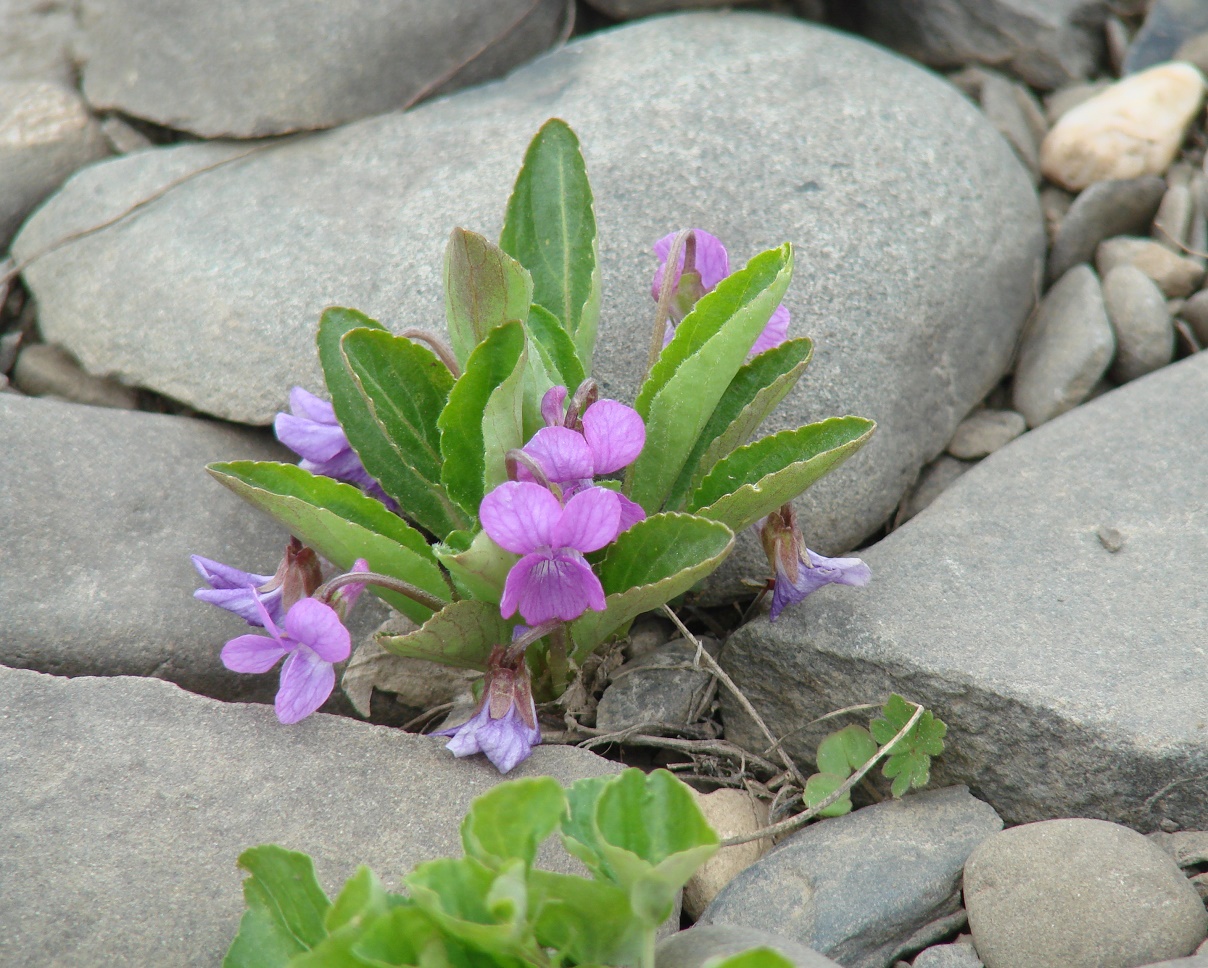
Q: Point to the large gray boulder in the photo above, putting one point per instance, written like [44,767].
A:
[37,41]
[227,68]
[126,802]
[1049,606]
[918,235]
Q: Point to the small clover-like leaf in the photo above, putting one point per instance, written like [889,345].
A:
[820,786]
[845,750]
[755,958]
[909,764]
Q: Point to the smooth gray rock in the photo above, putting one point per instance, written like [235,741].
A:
[1168,24]
[1176,276]
[102,510]
[1189,848]
[933,480]
[1102,210]
[46,134]
[1195,312]
[855,887]
[660,687]
[37,40]
[1079,894]
[985,431]
[898,265]
[1046,43]
[959,955]
[1006,110]
[43,369]
[1066,348]
[1071,678]
[227,68]
[1069,96]
[1172,223]
[699,944]
[126,802]
[1144,330]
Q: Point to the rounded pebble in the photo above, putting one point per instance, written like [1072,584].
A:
[985,431]
[1138,314]
[1106,209]
[1175,275]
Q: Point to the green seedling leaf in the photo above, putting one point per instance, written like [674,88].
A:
[909,765]
[405,387]
[461,635]
[511,821]
[478,566]
[404,936]
[557,348]
[757,479]
[755,958]
[579,834]
[550,229]
[484,288]
[649,564]
[483,419]
[285,909]
[820,786]
[341,524]
[591,921]
[692,373]
[755,392]
[361,900]
[846,750]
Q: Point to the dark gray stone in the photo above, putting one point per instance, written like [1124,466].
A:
[697,945]
[1079,894]
[126,802]
[102,510]
[1071,678]
[37,40]
[933,480]
[1066,348]
[232,69]
[1105,209]
[1168,24]
[1144,330]
[929,258]
[855,887]
[1046,44]
[660,687]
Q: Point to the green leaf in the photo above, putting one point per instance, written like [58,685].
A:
[405,387]
[341,524]
[460,635]
[550,229]
[510,821]
[591,921]
[845,750]
[484,288]
[647,565]
[579,834]
[483,418]
[755,958]
[405,936]
[479,567]
[693,371]
[757,479]
[820,786]
[363,897]
[755,392]
[285,909]
[559,349]
[909,765]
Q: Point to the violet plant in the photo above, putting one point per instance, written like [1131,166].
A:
[521,521]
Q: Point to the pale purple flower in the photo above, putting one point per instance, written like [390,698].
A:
[712,265]
[314,639]
[504,726]
[800,571]
[553,580]
[312,432]
[243,593]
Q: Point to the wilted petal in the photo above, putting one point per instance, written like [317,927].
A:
[549,585]
[712,262]
[219,575]
[319,442]
[464,740]
[507,741]
[303,403]
[825,571]
[840,571]
[615,433]
[242,602]
[318,626]
[590,520]
[553,406]
[252,653]
[519,516]
[562,453]
[774,333]
[306,682]
[631,513]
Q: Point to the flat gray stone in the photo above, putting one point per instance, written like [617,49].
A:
[959,955]
[1103,210]
[702,943]
[102,510]
[856,887]
[661,687]
[1066,349]
[1144,330]
[46,134]
[1168,24]
[1046,43]
[127,801]
[1079,894]
[227,68]
[929,258]
[934,479]
[46,370]
[37,40]
[985,431]
[1071,677]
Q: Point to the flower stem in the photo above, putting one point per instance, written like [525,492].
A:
[666,294]
[559,668]
[516,649]
[324,592]
[437,345]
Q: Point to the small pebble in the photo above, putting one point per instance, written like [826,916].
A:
[1110,538]
[959,955]
[1133,128]
[1144,330]
[1168,25]
[1172,224]
[934,479]
[1105,209]
[1195,312]
[1176,276]
[1115,34]
[1195,51]
[730,813]
[47,370]
[1002,106]
[1065,99]
[1054,204]
[985,431]
[660,687]
[647,634]
[123,137]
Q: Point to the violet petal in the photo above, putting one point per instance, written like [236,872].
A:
[252,653]
[319,627]
[590,520]
[562,453]
[306,682]
[615,433]
[519,516]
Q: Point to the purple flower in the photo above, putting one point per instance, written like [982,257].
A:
[800,571]
[712,265]
[553,580]
[504,726]
[312,432]
[246,594]
[314,639]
